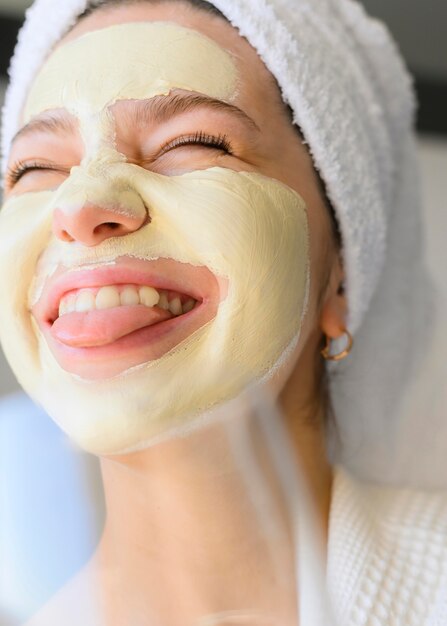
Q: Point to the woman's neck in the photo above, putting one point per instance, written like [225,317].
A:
[203,521]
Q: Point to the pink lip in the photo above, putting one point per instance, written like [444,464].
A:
[149,341]
[113,275]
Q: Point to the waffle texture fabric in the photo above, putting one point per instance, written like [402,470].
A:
[346,84]
[387,554]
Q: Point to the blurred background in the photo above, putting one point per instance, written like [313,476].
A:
[31,446]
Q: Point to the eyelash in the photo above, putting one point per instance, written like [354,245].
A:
[20,168]
[219,142]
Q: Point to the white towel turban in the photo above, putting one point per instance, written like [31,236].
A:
[340,72]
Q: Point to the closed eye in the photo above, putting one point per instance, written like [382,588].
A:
[218,142]
[19,169]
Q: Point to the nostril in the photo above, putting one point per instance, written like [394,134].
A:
[64,236]
[106,226]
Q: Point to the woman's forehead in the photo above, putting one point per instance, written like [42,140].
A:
[132,61]
[257,91]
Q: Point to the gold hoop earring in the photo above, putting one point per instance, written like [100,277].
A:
[326,353]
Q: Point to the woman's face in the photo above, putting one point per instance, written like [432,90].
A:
[151,277]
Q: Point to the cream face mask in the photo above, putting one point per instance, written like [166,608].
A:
[232,245]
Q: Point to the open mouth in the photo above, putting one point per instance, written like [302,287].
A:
[112,296]
[99,316]
[100,322]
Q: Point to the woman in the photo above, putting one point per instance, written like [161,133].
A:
[167,243]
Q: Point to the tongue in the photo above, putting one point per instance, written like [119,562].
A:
[101,327]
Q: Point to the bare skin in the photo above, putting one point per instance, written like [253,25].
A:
[170,532]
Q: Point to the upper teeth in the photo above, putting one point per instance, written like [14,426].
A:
[109,297]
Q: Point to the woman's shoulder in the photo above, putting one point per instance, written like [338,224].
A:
[387,552]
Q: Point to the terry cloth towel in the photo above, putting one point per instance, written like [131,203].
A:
[340,72]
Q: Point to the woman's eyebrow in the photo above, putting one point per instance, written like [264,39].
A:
[48,123]
[162,108]
[156,110]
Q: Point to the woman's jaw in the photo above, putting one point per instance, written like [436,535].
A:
[210,230]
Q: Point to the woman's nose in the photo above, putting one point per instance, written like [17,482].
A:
[90,225]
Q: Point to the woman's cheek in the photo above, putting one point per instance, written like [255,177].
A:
[25,229]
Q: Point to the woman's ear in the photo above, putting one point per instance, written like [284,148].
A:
[334,310]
